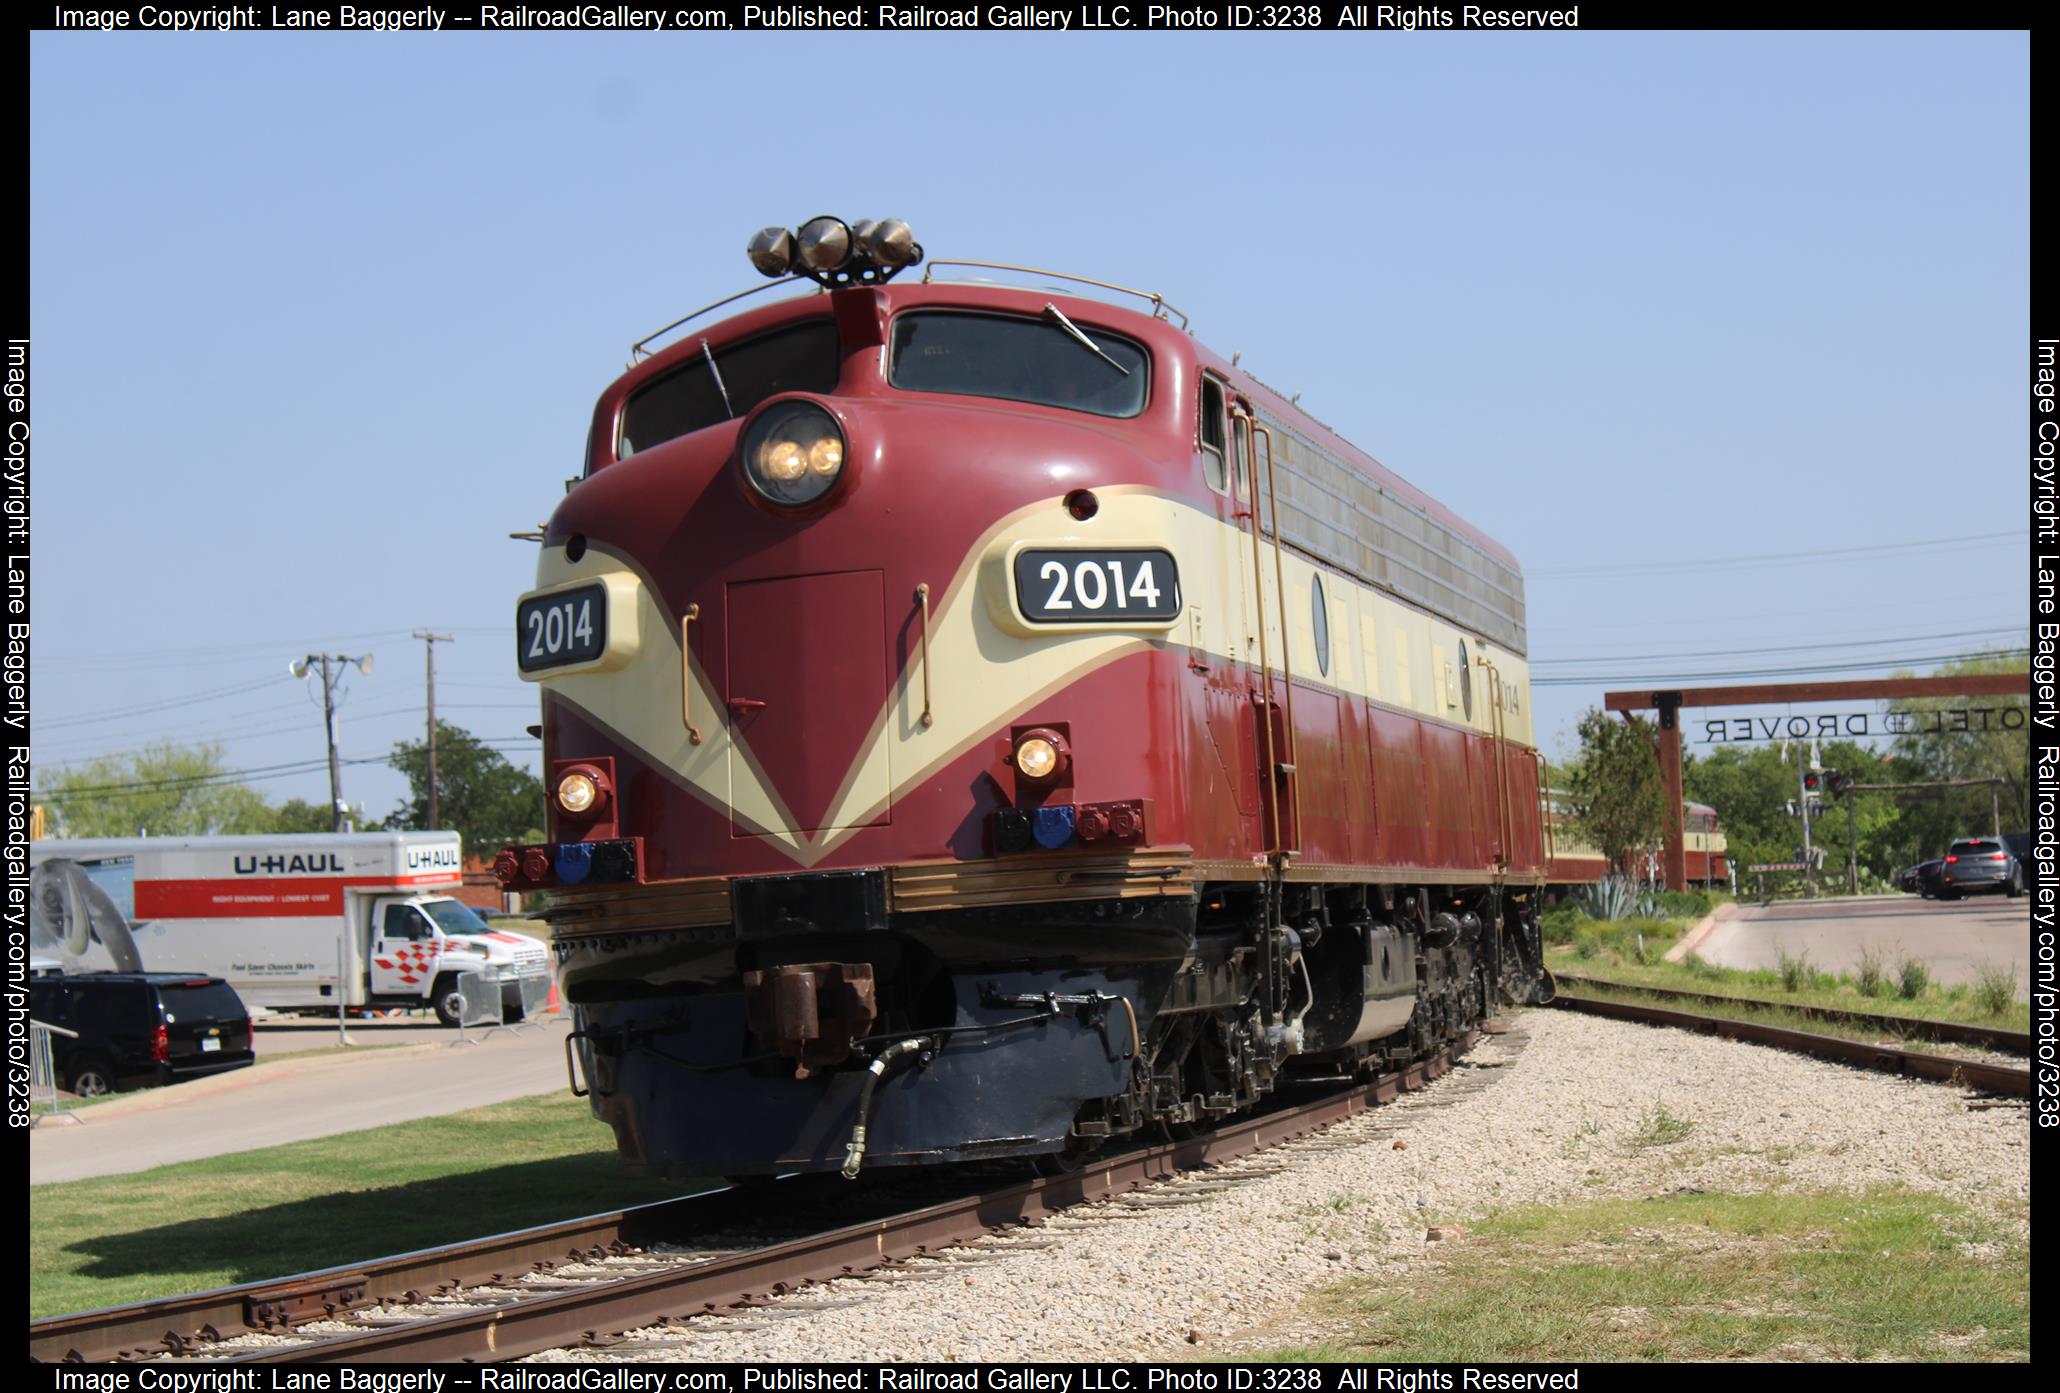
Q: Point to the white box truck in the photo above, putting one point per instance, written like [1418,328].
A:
[280,916]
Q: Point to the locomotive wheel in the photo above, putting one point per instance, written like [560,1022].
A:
[1064,1162]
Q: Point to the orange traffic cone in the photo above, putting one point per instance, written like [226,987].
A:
[551,1006]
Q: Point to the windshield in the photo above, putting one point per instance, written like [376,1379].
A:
[1033,360]
[454,918]
[799,358]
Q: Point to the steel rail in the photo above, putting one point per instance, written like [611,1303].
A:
[1989,1078]
[151,1328]
[523,1327]
[1955,1032]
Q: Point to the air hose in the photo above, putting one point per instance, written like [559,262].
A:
[854,1153]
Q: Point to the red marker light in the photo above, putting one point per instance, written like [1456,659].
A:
[1997,856]
[1951,859]
[160,1044]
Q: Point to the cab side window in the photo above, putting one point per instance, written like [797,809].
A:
[1214,450]
[405,921]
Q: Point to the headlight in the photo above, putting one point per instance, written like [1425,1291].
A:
[1041,754]
[793,452]
[576,793]
[1037,757]
[581,791]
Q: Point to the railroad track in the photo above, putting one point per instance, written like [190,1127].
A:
[1902,1027]
[1887,1059]
[578,1282]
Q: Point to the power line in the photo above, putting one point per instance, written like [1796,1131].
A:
[1788,648]
[188,653]
[1728,619]
[227,777]
[1784,558]
[123,713]
[1655,679]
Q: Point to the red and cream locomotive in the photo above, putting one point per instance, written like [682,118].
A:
[981,721]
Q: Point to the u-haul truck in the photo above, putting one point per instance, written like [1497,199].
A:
[279,915]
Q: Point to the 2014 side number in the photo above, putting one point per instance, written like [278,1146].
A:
[560,629]
[1087,587]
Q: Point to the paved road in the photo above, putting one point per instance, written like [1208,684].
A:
[286,1100]
[1953,938]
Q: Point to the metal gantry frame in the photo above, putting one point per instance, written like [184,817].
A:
[1669,704]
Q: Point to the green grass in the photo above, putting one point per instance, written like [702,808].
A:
[283,1209]
[1658,1127]
[1936,1001]
[1782,1015]
[1887,1274]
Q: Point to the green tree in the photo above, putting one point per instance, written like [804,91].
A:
[1751,789]
[479,792]
[299,815]
[1969,752]
[1619,799]
[164,790]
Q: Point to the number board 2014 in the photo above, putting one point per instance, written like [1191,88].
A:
[1097,587]
[561,628]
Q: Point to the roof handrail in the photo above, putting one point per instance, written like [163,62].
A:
[1159,306]
[641,349]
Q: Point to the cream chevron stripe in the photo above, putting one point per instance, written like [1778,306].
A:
[987,669]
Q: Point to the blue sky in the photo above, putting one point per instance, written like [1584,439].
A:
[319,320]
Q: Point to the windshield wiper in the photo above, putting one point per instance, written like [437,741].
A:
[716,373]
[1085,342]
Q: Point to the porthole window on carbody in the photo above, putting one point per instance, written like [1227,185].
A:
[1319,621]
[1465,682]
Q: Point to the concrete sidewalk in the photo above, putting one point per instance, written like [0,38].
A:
[1954,939]
[294,1100]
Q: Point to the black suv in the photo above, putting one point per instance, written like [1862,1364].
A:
[140,1029]
[1977,864]
[1922,878]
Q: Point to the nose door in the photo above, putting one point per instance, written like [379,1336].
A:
[808,682]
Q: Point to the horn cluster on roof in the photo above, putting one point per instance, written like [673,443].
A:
[834,253]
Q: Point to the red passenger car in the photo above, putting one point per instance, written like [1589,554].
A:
[983,721]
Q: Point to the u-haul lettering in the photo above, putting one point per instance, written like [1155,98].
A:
[433,858]
[317,863]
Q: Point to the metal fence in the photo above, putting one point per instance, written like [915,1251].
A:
[43,1072]
[480,996]
[483,1005]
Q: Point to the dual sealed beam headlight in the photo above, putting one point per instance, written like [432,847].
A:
[793,453]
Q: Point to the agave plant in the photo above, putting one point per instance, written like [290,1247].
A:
[1610,898]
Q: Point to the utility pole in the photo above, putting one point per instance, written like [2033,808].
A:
[1804,798]
[300,667]
[429,642]
[1852,844]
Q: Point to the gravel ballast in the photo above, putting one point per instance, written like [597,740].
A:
[1565,1108]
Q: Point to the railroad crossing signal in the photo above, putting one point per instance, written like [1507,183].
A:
[1834,783]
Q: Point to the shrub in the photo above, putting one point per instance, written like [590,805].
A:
[1684,904]
[1701,967]
[1795,971]
[1558,923]
[1913,977]
[1995,988]
[1873,972]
